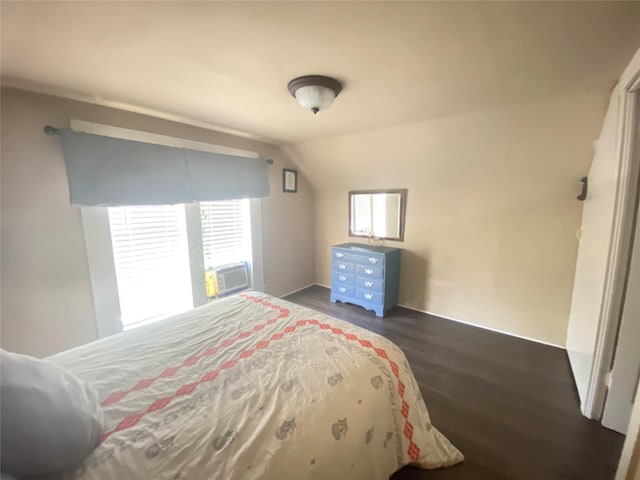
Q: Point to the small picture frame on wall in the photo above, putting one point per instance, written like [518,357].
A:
[289,180]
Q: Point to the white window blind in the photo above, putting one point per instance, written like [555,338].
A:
[362,221]
[226,232]
[150,252]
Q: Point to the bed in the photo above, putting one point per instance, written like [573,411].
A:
[254,387]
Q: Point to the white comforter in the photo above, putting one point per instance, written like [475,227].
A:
[255,387]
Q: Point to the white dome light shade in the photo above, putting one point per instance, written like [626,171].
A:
[315,97]
[314,92]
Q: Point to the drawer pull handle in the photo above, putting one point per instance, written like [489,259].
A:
[343,277]
[368,271]
[339,254]
[368,284]
[342,289]
[342,266]
[373,260]
[368,296]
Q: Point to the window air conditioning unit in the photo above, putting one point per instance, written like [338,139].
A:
[229,278]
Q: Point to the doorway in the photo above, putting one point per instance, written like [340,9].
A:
[602,312]
[625,367]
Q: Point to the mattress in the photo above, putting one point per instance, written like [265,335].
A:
[255,387]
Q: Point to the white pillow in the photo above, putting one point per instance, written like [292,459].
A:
[50,419]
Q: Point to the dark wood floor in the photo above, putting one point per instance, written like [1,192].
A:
[508,404]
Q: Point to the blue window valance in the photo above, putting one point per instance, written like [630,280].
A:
[106,171]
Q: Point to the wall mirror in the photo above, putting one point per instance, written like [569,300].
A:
[377,213]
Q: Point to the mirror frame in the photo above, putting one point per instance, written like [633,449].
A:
[403,211]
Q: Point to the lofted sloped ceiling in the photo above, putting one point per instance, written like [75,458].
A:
[226,64]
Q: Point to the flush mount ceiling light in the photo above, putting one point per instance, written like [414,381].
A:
[314,92]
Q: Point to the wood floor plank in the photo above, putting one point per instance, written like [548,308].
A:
[510,405]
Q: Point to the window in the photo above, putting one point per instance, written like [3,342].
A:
[153,265]
[121,254]
[226,232]
[151,257]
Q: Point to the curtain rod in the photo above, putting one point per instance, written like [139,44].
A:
[49,130]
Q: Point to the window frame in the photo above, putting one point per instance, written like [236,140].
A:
[97,234]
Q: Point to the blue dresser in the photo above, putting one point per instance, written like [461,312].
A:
[366,276]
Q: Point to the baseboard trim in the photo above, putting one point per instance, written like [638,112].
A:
[299,290]
[484,327]
[466,323]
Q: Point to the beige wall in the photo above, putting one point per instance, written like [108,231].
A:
[47,304]
[492,216]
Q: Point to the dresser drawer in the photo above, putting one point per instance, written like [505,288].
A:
[369,272]
[343,278]
[344,256]
[364,258]
[344,290]
[370,285]
[374,298]
[373,260]
[342,266]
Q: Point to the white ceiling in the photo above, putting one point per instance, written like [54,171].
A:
[228,64]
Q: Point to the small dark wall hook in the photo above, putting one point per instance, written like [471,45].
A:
[49,130]
[585,186]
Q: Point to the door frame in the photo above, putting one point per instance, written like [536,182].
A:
[620,244]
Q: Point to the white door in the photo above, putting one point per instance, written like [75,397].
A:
[593,251]
[626,365]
